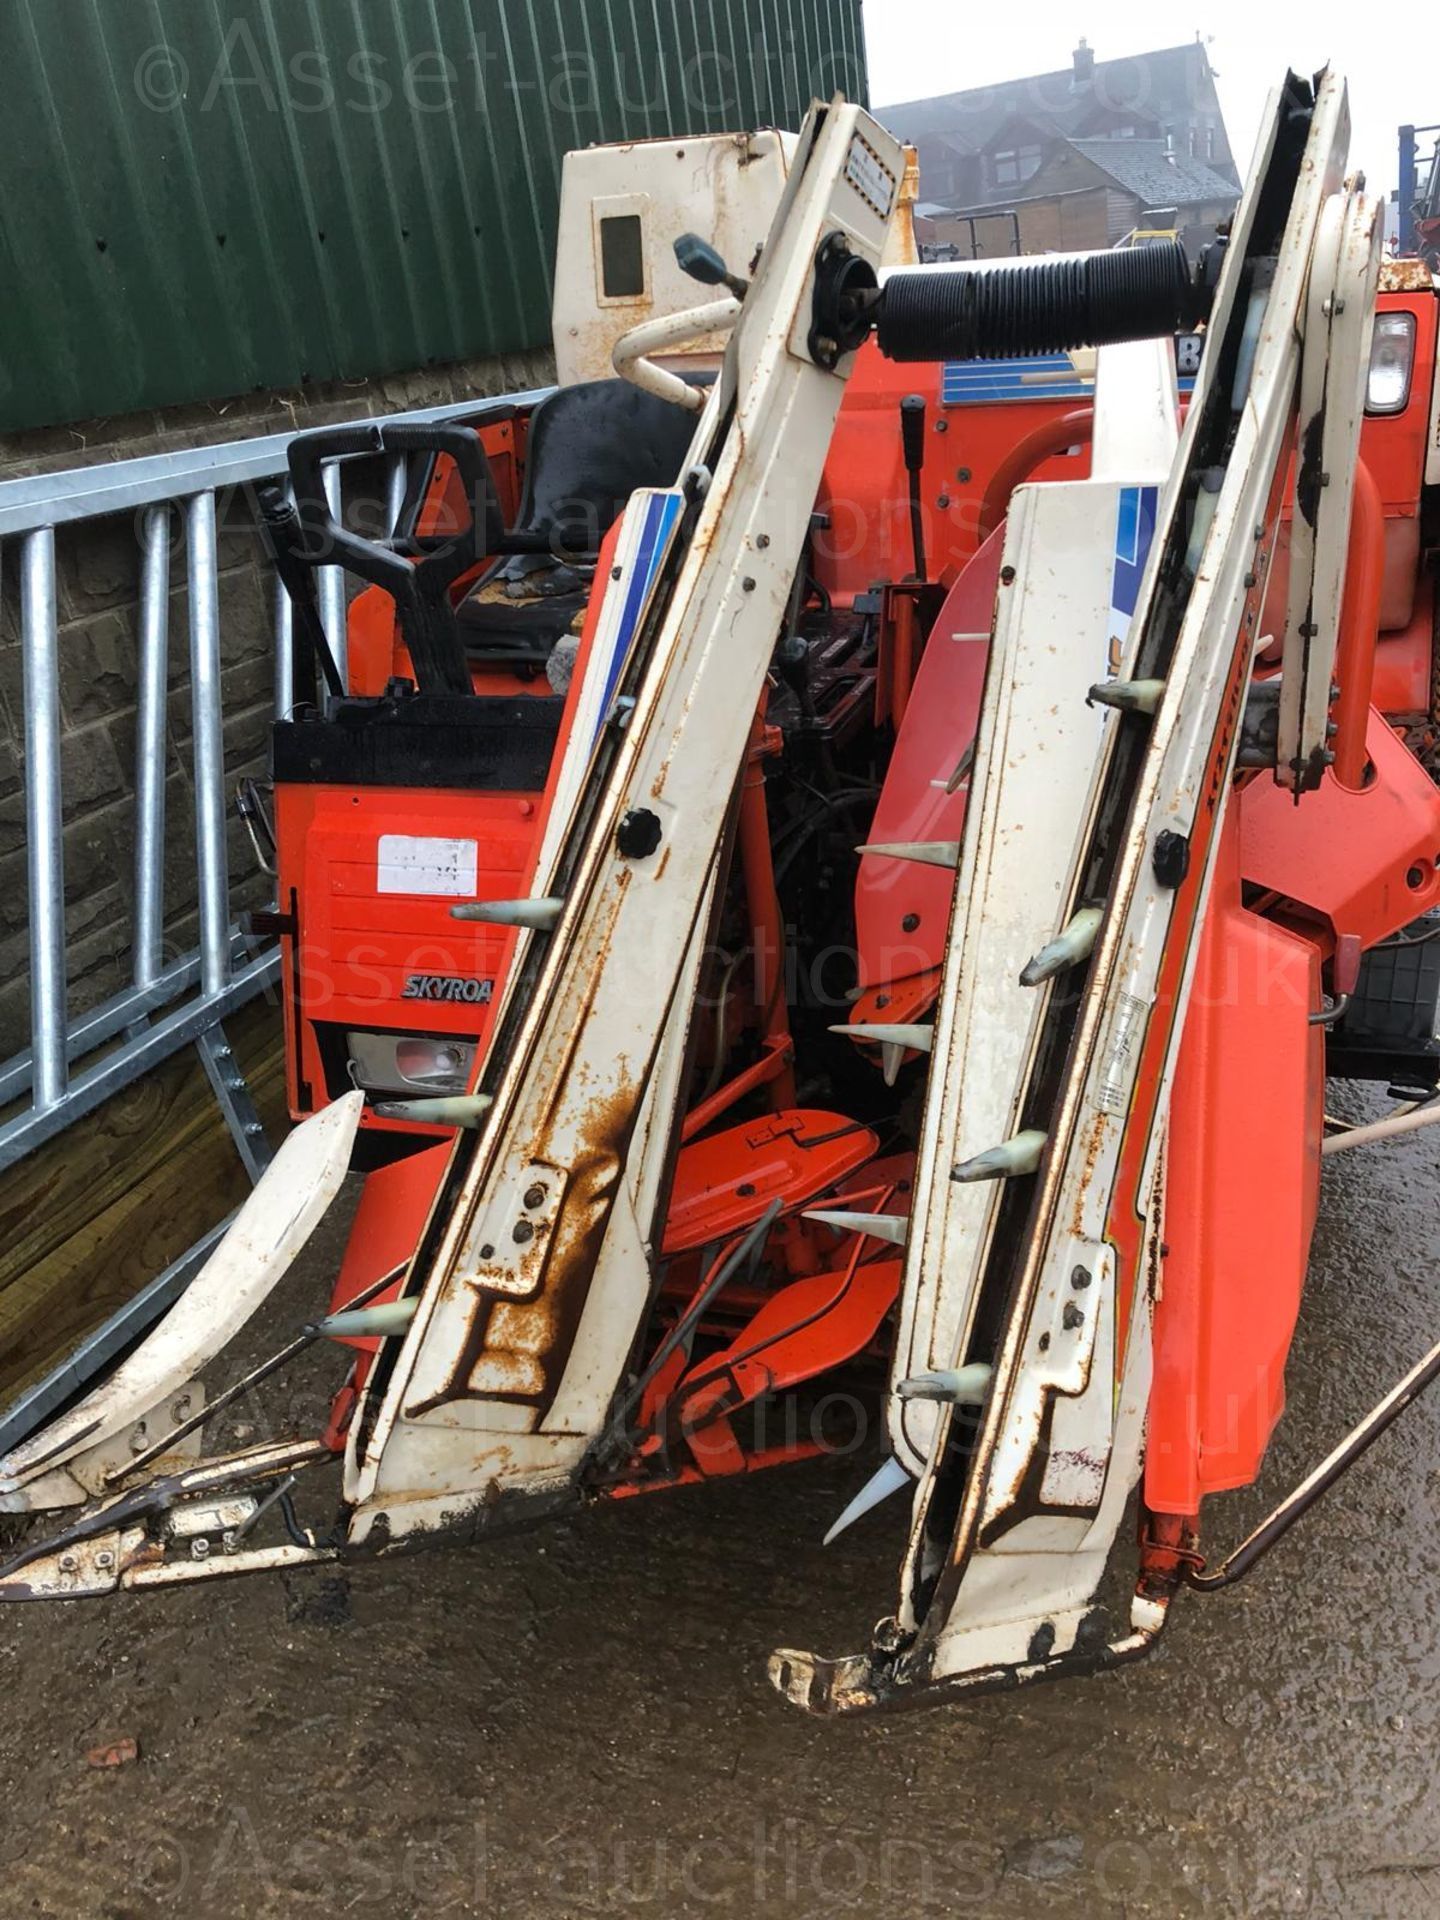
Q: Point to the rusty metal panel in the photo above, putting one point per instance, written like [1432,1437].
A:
[204,197]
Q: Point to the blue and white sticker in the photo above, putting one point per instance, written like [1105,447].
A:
[640,553]
[1134,534]
[1043,376]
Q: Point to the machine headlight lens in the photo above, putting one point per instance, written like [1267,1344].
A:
[410,1062]
[1392,358]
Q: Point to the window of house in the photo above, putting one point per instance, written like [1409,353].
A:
[1210,143]
[1014,164]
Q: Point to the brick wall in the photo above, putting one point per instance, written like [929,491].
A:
[97,567]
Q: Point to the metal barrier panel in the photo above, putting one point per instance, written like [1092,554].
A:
[168,1004]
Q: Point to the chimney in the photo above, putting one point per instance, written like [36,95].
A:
[1170,148]
[1084,59]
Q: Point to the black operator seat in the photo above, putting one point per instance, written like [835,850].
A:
[590,447]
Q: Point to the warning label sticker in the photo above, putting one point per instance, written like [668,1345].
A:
[1126,1032]
[870,176]
[412,863]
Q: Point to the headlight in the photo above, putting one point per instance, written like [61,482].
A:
[1392,358]
[410,1062]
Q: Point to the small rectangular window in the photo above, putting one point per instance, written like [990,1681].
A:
[622,257]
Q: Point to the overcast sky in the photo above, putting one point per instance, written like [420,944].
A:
[924,47]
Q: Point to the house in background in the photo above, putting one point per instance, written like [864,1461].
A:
[1077,158]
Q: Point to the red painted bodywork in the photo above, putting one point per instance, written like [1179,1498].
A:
[355,947]
[790,1156]
[1242,1187]
[1359,857]
[865,492]
[902,909]
[1361,862]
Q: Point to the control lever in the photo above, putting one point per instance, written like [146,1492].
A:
[702,262]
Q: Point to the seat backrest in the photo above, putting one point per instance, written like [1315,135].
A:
[590,447]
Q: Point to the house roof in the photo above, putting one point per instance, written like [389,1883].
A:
[1155,85]
[1143,168]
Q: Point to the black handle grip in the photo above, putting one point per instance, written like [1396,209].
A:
[912,431]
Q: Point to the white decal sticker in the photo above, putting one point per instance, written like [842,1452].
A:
[408,864]
[870,177]
[1126,1032]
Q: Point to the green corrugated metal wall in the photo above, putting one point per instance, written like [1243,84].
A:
[202,197]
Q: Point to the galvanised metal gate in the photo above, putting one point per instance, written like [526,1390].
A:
[74,1064]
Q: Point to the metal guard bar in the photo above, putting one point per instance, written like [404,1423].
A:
[161,1011]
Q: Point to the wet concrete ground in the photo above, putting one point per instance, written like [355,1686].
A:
[576,1721]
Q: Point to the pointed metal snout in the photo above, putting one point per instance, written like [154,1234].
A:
[1017,1156]
[893,1227]
[1067,949]
[926,853]
[453,1110]
[539,915]
[964,766]
[965,1387]
[890,1479]
[1127,696]
[368,1323]
[894,1041]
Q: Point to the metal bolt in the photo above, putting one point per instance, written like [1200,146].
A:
[104,1561]
[487,1252]
[200,1548]
[762,541]
[617,573]
[523,1232]
[748,583]
[534,1196]
[942,426]
[1072,1317]
[68,1563]
[1080,1279]
[1007,576]
[943,501]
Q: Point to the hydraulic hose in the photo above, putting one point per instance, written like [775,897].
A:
[1045,306]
